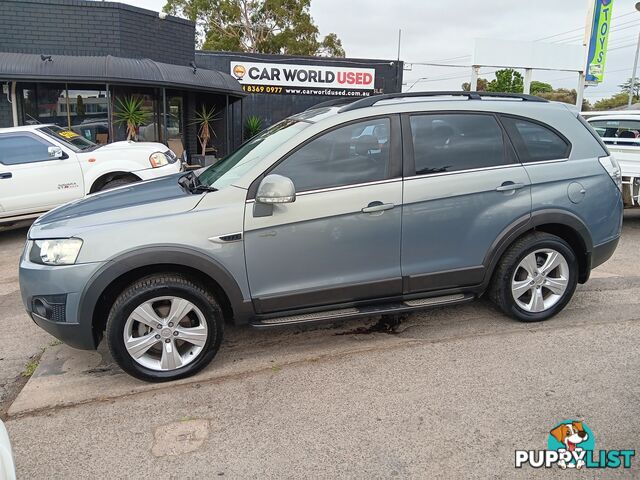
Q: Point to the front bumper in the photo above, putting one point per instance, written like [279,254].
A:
[51,296]
[169,169]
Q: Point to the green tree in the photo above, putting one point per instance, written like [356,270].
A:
[481,87]
[257,26]
[540,87]
[507,80]
[626,87]
[617,100]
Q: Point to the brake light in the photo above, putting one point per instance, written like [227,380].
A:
[612,167]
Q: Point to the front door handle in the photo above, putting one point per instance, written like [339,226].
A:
[509,186]
[5,175]
[377,207]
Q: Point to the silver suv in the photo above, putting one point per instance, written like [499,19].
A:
[387,204]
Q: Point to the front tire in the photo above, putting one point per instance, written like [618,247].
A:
[118,182]
[535,278]
[164,327]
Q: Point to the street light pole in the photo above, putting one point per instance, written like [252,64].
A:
[635,65]
[414,83]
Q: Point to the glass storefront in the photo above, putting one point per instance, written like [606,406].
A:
[175,122]
[91,111]
[80,108]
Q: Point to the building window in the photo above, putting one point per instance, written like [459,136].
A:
[80,108]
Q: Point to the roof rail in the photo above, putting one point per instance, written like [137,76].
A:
[372,100]
[332,103]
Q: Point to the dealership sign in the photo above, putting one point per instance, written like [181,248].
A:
[599,39]
[258,77]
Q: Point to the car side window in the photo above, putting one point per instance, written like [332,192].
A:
[18,149]
[456,141]
[352,154]
[535,142]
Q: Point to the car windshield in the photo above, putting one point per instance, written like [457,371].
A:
[70,139]
[234,166]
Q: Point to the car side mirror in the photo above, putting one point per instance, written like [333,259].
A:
[55,152]
[273,189]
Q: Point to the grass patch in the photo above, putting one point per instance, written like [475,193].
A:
[29,368]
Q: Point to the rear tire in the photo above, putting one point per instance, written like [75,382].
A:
[164,327]
[535,278]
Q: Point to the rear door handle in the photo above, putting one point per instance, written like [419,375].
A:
[508,186]
[5,175]
[377,207]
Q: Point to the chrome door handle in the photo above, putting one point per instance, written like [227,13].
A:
[508,186]
[377,207]
[5,175]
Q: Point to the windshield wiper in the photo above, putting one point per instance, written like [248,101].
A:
[191,183]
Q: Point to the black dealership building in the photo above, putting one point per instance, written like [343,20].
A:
[67,62]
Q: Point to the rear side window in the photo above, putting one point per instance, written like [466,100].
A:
[456,141]
[535,142]
[17,149]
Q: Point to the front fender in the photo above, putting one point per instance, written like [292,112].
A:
[99,167]
[119,266]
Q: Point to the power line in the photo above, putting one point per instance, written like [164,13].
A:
[581,28]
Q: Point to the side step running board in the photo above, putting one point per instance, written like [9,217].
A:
[355,312]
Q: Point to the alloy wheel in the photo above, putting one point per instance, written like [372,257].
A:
[540,280]
[165,333]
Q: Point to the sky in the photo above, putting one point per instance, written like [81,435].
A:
[444,32]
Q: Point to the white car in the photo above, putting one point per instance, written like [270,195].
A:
[7,467]
[43,166]
[620,131]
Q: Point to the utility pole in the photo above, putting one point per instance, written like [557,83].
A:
[635,66]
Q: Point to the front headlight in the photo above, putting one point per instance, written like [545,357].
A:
[158,159]
[59,251]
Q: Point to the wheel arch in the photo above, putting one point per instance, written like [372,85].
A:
[560,223]
[103,288]
[105,178]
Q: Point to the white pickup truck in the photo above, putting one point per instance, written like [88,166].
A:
[620,131]
[43,166]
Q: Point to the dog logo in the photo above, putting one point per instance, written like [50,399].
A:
[572,437]
[239,71]
[571,444]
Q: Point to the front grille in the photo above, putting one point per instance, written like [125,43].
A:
[50,307]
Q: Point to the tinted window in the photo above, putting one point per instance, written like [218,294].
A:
[618,132]
[450,142]
[15,149]
[535,142]
[357,153]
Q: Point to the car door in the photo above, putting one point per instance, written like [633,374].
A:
[463,187]
[339,241]
[31,180]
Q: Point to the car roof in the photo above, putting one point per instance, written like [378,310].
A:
[25,128]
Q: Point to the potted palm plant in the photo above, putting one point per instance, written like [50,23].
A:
[204,118]
[131,113]
[252,126]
